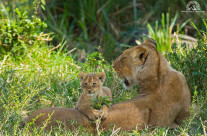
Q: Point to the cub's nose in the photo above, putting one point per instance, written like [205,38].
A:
[89,91]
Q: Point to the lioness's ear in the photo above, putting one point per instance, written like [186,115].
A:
[150,41]
[101,76]
[81,76]
[142,53]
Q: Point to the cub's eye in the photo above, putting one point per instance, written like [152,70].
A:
[85,84]
[94,84]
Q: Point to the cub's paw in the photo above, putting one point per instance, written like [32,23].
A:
[93,115]
[103,113]
[95,112]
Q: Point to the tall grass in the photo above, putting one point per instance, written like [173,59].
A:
[105,23]
[163,34]
[90,24]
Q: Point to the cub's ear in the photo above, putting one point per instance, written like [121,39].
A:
[81,76]
[101,76]
[142,53]
[150,41]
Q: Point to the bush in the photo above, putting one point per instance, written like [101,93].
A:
[192,62]
[20,32]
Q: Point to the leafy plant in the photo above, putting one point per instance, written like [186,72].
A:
[99,102]
[38,3]
[192,61]
[19,33]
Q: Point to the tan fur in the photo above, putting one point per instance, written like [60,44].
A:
[92,88]
[163,99]
[164,96]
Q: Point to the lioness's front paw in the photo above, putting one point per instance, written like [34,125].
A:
[103,113]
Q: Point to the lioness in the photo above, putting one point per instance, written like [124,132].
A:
[92,88]
[163,99]
[164,96]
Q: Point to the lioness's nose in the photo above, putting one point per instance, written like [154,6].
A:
[89,91]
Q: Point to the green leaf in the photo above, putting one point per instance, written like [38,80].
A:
[183,24]
[43,7]
[174,20]
[43,2]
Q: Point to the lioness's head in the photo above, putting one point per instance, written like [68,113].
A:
[92,83]
[131,61]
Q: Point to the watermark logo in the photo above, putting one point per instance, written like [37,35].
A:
[193,6]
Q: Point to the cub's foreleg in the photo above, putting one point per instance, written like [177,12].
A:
[83,105]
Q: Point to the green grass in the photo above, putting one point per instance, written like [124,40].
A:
[42,78]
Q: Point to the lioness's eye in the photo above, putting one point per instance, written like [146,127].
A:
[85,84]
[94,84]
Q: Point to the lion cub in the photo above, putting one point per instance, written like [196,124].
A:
[92,88]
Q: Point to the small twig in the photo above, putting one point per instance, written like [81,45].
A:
[98,122]
[204,127]
[116,131]
[56,47]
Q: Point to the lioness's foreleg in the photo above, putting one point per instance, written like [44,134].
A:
[182,115]
[103,113]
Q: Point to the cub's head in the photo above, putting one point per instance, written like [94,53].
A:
[131,61]
[92,83]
